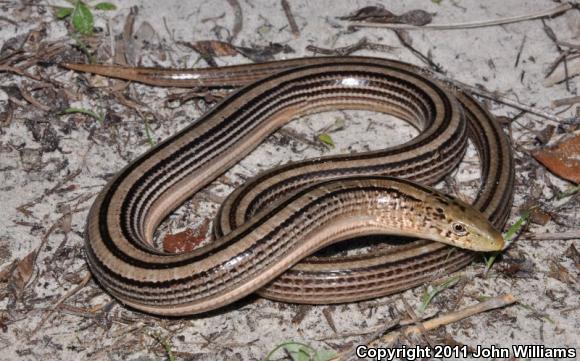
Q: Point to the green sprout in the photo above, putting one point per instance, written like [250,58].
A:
[433,291]
[509,237]
[80,15]
[165,343]
[326,139]
[302,352]
[100,117]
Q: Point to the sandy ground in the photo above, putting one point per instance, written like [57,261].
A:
[52,166]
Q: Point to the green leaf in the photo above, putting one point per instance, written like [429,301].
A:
[434,291]
[148,133]
[82,18]
[339,124]
[324,355]
[300,355]
[326,139]
[482,298]
[62,13]
[302,352]
[515,228]
[508,238]
[298,351]
[105,6]
[438,2]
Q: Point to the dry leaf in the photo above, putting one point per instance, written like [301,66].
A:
[560,273]
[372,14]
[517,268]
[539,216]
[214,48]
[6,109]
[563,160]
[261,54]
[6,272]
[377,14]
[415,17]
[546,134]
[23,271]
[185,241]
[66,221]
[574,255]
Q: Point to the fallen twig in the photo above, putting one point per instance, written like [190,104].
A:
[490,304]
[290,17]
[565,101]
[551,236]
[520,52]
[393,337]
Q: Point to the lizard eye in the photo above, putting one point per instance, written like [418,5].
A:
[459,228]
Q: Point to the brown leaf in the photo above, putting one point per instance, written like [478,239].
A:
[377,14]
[6,272]
[6,112]
[563,160]
[415,17]
[503,120]
[560,273]
[66,220]
[214,48]
[261,54]
[574,255]
[517,268]
[546,134]
[185,241]
[539,216]
[405,37]
[373,14]
[23,271]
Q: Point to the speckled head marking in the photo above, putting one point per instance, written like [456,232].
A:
[454,222]
[417,210]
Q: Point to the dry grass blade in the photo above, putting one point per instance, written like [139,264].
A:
[290,17]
